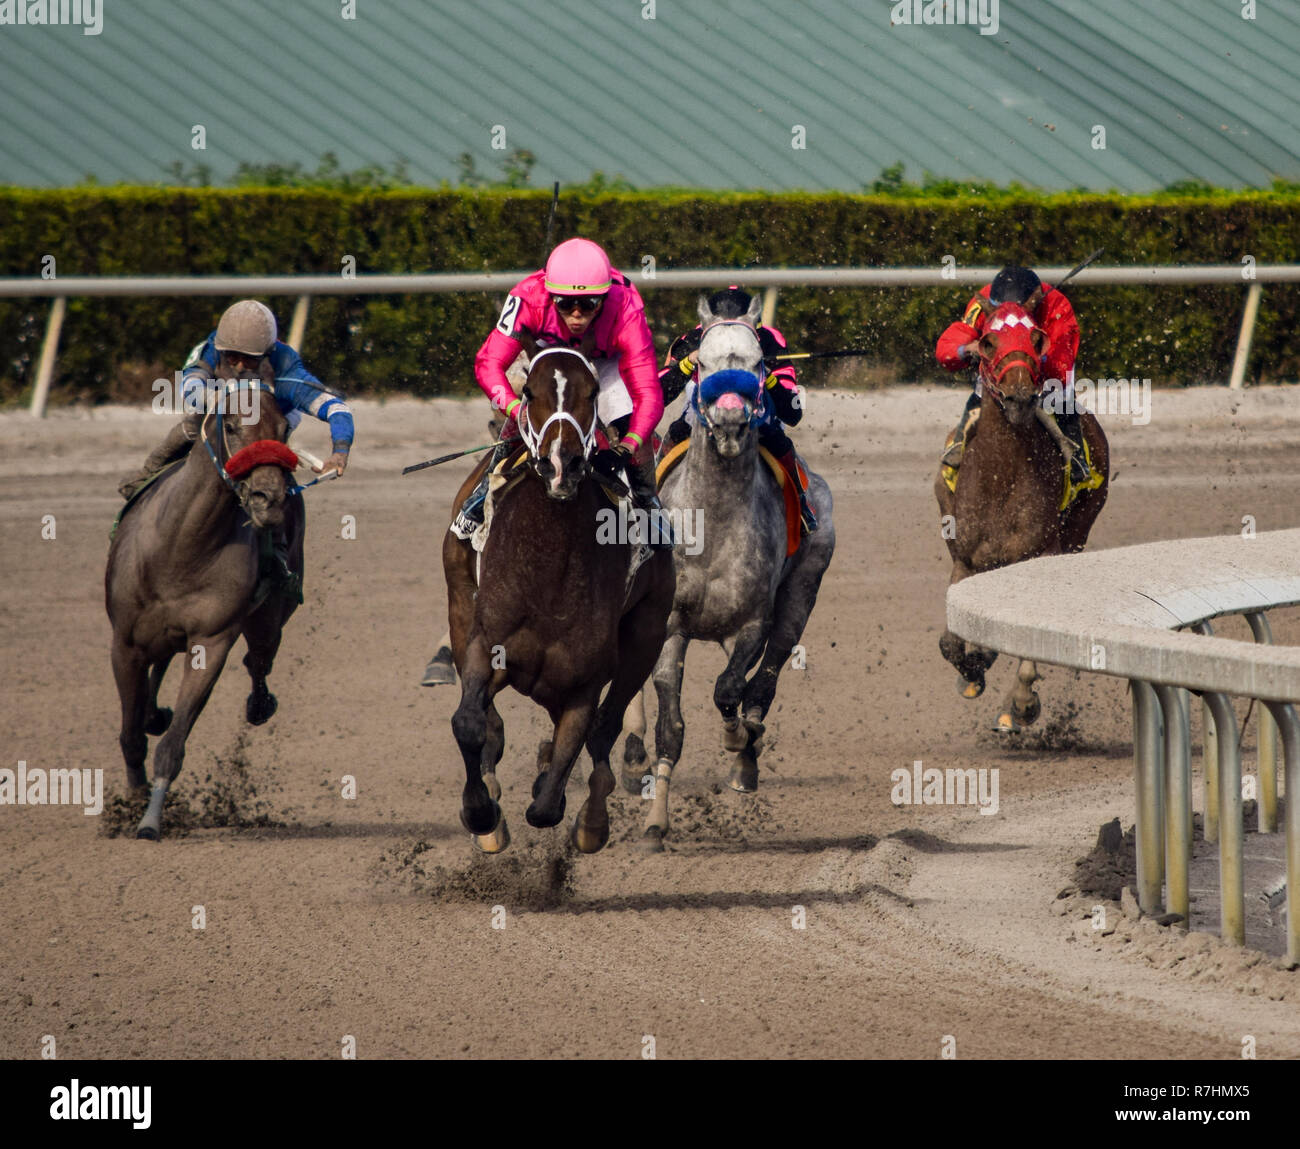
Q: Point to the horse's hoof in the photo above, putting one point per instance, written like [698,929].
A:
[1006,723]
[734,735]
[493,786]
[496,840]
[440,671]
[1029,715]
[146,834]
[540,821]
[484,827]
[633,781]
[634,750]
[652,841]
[260,708]
[587,840]
[744,777]
[969,688]
[159,720]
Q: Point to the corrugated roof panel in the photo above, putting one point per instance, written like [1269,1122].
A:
[706,93]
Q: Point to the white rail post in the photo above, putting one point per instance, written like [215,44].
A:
[1248,316]
[1232,895]
[769,306]
[1147,752]
[49,353]
[1178,801]
[1267,728]
[1285,716]
[1209,759]
[298,325]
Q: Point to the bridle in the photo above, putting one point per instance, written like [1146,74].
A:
[754,412]
[533,439]
[993,369]
[280,454]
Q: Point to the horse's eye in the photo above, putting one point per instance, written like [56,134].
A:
[528,395]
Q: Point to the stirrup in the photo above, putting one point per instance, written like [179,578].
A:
[1080,472]
[953,455]
[807,517]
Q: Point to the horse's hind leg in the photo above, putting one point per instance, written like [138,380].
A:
[158,718]
[632,773]
[1021,707]
[203,664]
[130,671]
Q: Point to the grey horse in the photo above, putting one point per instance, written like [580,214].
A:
[183,578]
[735,584]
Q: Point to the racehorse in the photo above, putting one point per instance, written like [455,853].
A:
[1011,500]
[740,590]
[557,610]
[185,576]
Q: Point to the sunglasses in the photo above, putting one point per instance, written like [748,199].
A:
[584,303]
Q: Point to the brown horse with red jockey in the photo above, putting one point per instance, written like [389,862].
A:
[1013,497]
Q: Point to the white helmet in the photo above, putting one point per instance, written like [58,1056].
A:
[247,327]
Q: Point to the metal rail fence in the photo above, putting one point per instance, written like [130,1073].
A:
[770,279]
[1143,613]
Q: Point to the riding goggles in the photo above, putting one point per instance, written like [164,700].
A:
[587,304]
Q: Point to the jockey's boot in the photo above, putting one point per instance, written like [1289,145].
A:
[175,446]
[791,466]
[1068,422]
[640,471]
[472,511]
[953,455]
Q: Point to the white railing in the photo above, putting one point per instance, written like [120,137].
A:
[1117,612]
[303,287]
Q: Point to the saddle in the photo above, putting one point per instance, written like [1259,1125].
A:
[784,480]
[1069,490]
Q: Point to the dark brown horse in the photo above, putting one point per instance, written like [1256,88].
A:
[555,611]
[182,578]
[1007,504]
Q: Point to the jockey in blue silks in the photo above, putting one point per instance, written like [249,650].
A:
[244,345]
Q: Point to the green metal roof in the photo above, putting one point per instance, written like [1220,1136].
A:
[704,94]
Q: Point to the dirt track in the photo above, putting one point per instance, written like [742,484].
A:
[372,918]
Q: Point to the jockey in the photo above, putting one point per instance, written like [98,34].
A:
[244,345]
[958,347]
[783,403]
[578,300]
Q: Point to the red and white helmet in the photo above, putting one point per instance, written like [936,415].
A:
[578,267]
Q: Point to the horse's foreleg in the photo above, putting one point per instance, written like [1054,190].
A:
[971,661]
[262,632]
[730,687]
[547,807]
[204,661]
[634,755]
[670,731]
[130,671]
[493,748]
[1021,706]
[479,812]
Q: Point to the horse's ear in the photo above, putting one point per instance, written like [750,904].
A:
[705,311]
[527,341]
[987,346]
[1041,341]
[755,310]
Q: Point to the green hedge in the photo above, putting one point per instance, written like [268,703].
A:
[114,348]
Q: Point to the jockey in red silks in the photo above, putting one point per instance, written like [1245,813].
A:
[958,347]
[783,404]
[578,301]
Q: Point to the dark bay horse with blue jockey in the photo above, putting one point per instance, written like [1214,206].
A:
[191,569]
[737,583]
[553,606]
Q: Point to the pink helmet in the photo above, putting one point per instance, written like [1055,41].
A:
[578,267]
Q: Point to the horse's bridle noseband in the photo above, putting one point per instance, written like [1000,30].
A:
[755,411]
[533,439]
